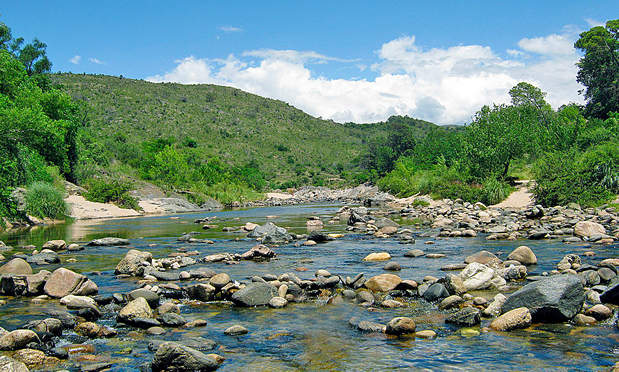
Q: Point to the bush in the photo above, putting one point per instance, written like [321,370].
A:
[114,191]
[44,200]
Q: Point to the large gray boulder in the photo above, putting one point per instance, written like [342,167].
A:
[108,242]
[45,257]
[135,309]
[555,299]
[174,357]
[131,264]
[255,294]
[16,266]
[24,285]
[18,339]
[270,233]
[64,282]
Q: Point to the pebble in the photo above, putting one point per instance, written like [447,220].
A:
[426,334]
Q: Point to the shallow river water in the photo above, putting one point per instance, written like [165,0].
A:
[314,336]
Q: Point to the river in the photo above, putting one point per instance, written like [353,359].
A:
[315,336]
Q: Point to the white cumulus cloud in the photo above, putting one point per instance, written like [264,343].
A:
[442,85]
[76,60]
[94,60]
[230,29]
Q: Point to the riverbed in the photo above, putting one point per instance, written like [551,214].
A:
[315,335]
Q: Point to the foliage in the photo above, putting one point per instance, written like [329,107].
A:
[599,69]
[114,191]
[589,178]
[45,200]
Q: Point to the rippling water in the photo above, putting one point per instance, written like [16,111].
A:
[314,336]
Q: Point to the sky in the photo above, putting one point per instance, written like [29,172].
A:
[349,61]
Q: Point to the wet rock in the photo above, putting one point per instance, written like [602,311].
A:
[278,302]
[49,325]
[494,308]
[392,266]
[414,253]
[435,292]
[34,358]
[449,302]
[161,275]
[137,308]
[513,319]
[236,330]
[551,300]
[364,296]
[570,261]
[171,320]
[400,326]
[390,304]
[378,256]
[174,357]
[366,326]
[202,272]
[428,333]
[485,258]
[477,276]
[18,339]
[108,242]
[8,364]
[454,284]
[599,312]
[17,266]
[319,237]
[271,234]
[45,257]
[468,316]
[88,329]
[168,307]
[383,283]
[151,297]
[606,274]
[220,280]
[64,282]
[55,245]
[131,263]
[524,255]
[23,285]
[67,319]
[258,252]
[255,294]
[513,272]
[584,320]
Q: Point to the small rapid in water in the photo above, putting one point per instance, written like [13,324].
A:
[312,335]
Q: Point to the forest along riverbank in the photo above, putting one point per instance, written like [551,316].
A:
[481,284]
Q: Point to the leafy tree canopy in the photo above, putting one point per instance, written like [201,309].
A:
[599,69]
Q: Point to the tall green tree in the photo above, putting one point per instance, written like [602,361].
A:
[599,69]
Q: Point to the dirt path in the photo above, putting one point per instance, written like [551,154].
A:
[520,198]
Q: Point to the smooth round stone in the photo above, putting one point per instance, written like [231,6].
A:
[184,275]
[392,266]
[380,256]
[155,331]
[322,272]
[426,334]
[220,280]
[435,255]
[480,301]
[430,278]
[236,330]
[278,302]
[599,312]
[400,326]
[584,320]
[469,332]
[415,253]
[389,304]
[195,323]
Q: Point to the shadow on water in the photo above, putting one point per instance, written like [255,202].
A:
[314,336]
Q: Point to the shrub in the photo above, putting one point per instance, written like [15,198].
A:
[114,191]
[44,200]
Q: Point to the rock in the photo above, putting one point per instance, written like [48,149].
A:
[383,283]
[551,300]
[108,242]
[131,263]
[611,295]
[494,308]
[258,252]
[322,272]
[270,234]
[174,357]
[366,326]
[18,339]
[171,320]
[454,284]
[400,326]
[483,257]
[588,228]
[513,319]
[319,237]
[255,294]
[200,292]
[476,276]
[45,257]
[524,255]
[55,245]
[17,266]
[88,329]
[449,302]
[278,302]
[34,358]
[414,253]
[48,325]
[584,320]
[151,297]
[468,316]
[64,282]
[570,261]
[428,333]
[380,256]
[137,308]
[168,307]
[435,292]
[599,312]
[8,364]
[392,266]
[236,330]
[513,272]
[220,280]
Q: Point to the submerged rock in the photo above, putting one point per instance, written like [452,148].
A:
[107,242]
[513,319]
[255,294]
[174,357]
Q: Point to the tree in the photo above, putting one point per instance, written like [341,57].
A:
[33,55]
[599,69]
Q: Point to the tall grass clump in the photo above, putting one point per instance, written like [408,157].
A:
[44,200]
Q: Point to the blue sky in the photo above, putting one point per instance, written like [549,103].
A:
[358,61]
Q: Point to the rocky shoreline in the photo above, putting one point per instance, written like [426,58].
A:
[580,294]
